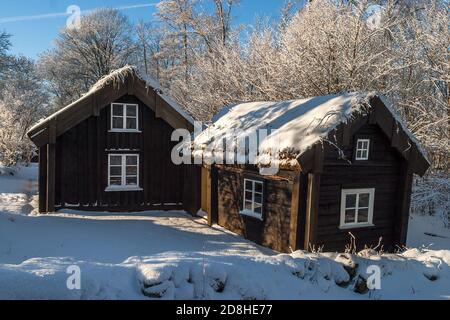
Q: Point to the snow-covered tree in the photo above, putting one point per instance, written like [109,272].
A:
[103,42]
[5,44]
[23,101]
[398,48]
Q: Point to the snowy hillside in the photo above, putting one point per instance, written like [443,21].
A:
[169,255]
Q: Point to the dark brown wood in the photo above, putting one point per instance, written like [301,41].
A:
[403,205]
[381,171]
[43,179]
[192,187]
[82,171]
[312,210]
[274,230]
[209,203]
[51,163]
[90,105]
[295,211]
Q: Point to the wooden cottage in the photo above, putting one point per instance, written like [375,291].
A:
[111,149]
[346,164]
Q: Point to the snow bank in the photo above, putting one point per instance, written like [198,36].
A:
[46,278]
[413,274]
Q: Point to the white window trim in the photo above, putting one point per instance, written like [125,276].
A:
[346,192]
[124,118]
[122,187]
[357,149]
[251,213]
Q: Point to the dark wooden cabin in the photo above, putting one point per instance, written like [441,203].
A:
[111,150]
[355,180]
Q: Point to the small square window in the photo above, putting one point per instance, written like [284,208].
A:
[362,149]
[357,207]
[124,117]
[123,172]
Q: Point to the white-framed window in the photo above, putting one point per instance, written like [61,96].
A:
[124,117]
[123,172]
[253,198]
[362,149]
[357,208]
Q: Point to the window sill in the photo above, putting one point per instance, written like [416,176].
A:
[356,226]
[123,189]
[124,131]
[251,214]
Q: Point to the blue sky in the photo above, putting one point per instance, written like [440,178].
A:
[35,23]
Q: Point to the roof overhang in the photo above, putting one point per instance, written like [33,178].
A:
[381,114]
[94,101]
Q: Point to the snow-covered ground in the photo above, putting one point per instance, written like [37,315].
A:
[171,255]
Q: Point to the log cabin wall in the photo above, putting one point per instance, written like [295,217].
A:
[382,171]
[82,164]
[273,230]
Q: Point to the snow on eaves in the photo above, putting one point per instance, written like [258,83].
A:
[118,77]
[299,124]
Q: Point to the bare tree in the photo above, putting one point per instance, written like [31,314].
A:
[102,43]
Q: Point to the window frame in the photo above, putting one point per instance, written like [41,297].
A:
[358,192]
[252,213]
[123,186]
[357,149]
[124,118]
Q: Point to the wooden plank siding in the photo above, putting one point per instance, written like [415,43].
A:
[82,164]
[274,230]
[382,171]
[42,179]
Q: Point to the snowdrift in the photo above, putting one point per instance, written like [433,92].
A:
[413,274]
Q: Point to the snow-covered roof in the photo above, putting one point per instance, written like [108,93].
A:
[119,77]
[299,124]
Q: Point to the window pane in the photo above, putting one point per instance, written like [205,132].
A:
[131,123]
[117,110]
[350,216]
[132,181]
[364,200]
[117,123]
[131,171]
[363,215]
[258,187]
[115,171]
[131,111]
[116,160]
[115,181]
[248,195]
[248,185]
[131,160]
[258,209]
[248,206]
[350,201]
[258,198]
